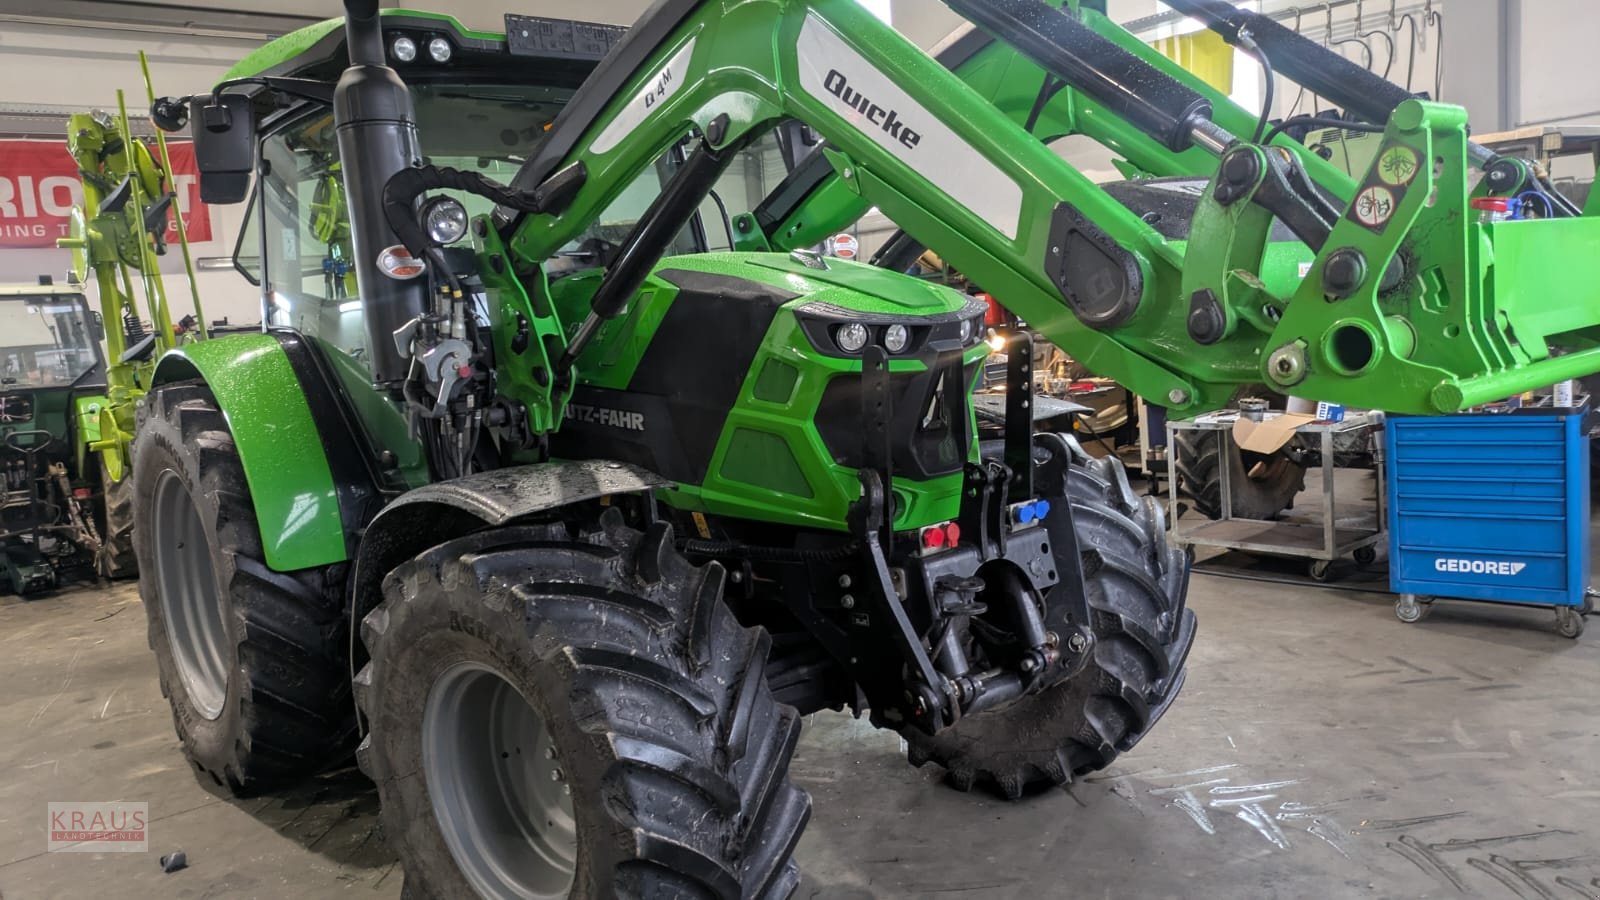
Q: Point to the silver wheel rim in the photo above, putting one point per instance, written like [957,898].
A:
[196,629]
[497,786]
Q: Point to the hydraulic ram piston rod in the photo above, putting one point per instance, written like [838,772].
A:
[1155,102]
[1304,61]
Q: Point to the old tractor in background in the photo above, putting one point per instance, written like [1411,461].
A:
[614,478]
[52,394]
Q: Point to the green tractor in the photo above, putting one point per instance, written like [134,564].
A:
[58,507]
[560,437]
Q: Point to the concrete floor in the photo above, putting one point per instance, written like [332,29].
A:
[1321,749]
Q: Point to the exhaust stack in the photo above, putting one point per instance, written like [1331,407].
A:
[377,129]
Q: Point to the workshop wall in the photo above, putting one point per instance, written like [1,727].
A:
[1502,59]
[85,66]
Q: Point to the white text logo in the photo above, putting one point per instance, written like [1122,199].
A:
[1478,566]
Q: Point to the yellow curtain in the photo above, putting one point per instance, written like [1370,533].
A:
[1205,54]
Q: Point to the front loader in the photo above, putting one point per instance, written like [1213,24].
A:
[562,440]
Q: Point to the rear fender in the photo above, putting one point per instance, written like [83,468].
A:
[310,491]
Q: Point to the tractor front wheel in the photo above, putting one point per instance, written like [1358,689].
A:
[575,713]
[252,661]
[1136,584]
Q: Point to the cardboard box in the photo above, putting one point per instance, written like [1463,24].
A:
[1270,435]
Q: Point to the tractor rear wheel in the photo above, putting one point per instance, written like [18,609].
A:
[576,715]
[116,557]
[252,661]
[1136,585]
[1263,485]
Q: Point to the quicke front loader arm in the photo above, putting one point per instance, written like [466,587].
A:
[1408,303]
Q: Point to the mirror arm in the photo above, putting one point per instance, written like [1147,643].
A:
[171,114]
[304,88]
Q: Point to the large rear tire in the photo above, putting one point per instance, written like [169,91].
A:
[1136,585]
[1263,485]
[252,661]
[517,662]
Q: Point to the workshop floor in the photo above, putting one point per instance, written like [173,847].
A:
[1321,749]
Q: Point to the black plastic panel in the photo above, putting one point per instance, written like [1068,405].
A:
[560,38]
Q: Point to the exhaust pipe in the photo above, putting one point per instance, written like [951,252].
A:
[362,33]
[377,128]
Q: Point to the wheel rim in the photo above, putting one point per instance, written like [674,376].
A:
[196,629]
[497,787]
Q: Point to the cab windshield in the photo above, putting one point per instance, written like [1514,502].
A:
[308,273]
[45,341]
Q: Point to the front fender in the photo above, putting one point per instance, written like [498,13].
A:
[435,513]
[292,487]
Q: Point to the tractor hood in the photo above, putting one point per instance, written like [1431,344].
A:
[847,286]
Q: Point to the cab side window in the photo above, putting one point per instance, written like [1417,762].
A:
[310,282]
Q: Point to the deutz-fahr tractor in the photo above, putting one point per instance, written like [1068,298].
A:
[564,461]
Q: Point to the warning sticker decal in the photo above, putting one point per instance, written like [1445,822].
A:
[1374,206]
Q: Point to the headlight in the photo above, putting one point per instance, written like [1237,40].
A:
[403,49]
[852,337]
[896,337]
[445,220]
[439,50]
[966,331]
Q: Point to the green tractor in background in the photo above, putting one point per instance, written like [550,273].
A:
[614,478]
[58,508]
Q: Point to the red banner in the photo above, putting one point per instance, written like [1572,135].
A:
[39,186]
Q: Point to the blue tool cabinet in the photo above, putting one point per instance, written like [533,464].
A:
[1492,508]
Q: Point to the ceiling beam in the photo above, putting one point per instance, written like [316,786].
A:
[157,18]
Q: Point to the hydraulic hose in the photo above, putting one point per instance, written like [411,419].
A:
[771,554]
[1304,61]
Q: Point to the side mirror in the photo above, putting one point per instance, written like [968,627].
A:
[224,133]
[170,114]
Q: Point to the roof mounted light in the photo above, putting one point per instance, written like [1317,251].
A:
[439,50]
[403,49]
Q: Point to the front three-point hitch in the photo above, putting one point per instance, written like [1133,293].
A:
[964,602]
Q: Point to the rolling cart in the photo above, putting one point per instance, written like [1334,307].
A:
[1318,543]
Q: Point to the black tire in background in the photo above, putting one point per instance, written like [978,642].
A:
[252,661]
[116,558]
[1136,584]
[600,662]
[1263,485]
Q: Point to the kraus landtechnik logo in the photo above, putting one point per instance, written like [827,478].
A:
[82,827]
